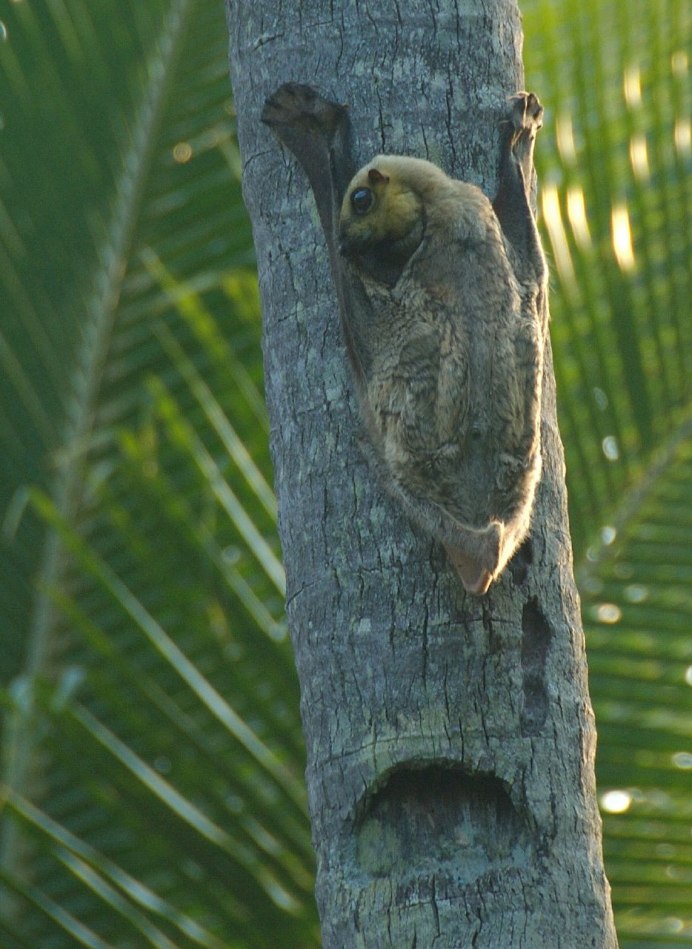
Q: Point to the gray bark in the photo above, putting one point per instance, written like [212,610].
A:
[450,739]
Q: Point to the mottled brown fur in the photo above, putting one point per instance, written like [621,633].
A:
[443,300]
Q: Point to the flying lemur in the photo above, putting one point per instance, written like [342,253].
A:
[443,300]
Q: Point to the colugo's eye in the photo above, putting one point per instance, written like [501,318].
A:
[361,200]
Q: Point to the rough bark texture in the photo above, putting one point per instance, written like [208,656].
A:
[450,739]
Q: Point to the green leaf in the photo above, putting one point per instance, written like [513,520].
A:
[152,751]
[614,164]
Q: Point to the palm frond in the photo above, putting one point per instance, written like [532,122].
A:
[615,202]
[152,745]
[637,588]
[614,195]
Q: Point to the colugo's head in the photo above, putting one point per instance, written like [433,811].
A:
[382,211]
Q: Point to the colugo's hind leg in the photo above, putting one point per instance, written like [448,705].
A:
[512,203]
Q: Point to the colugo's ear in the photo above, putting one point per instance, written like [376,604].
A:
[376,177]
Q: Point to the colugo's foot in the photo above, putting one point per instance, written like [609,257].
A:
[526,112]
[525,118]
[301,108]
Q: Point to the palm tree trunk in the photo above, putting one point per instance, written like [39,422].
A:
[450,739]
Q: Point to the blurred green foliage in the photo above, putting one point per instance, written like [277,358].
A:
[614,171]
[152,756]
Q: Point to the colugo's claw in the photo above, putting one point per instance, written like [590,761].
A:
[526,111]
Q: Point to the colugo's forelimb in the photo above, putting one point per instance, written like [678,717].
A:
[317,131]
[443,304]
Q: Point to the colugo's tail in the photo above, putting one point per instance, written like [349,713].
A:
[477,557]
